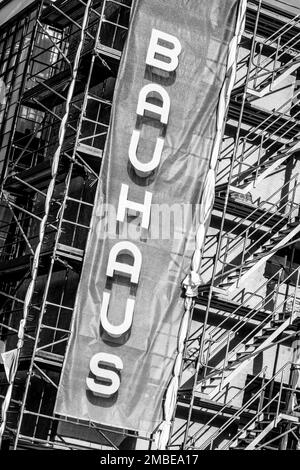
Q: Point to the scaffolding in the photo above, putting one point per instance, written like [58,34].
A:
[61,76]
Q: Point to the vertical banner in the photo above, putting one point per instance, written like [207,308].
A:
[130,306]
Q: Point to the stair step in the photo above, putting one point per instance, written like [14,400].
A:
[242,354]
[272,242]
[285,231]
[278,323]
[208,387]
[269,330]
[255,431]
[215,378]
[246,440]
[260,339]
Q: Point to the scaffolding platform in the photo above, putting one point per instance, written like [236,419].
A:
[249,212]
[272,122]
[16,268]
[227,306]
[201,403]
[271,19]
[53,92]
[60,14]
[37,177]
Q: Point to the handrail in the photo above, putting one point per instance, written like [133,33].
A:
[254,223]
[249,251]
[263,134]
[250,316]
[226,337]
[257,328]
[245,303]
[222,370]
[275,56]
[207,425]
[239,268]
[243,408]
[258,306]
[261,131]
[279,113]
[262,410]
[244,235]
[253,311]
[260,207]
[228,444]
[276,38]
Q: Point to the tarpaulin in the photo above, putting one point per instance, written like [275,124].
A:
[148,350]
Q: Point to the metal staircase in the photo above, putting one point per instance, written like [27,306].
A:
[251,261]
[264,148]
[274,55]
[275,78]
[256,237]
[252,436]
[272,59]
[251,178]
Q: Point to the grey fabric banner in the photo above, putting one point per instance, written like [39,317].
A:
[129,393]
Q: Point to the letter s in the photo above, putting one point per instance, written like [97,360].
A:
[105,375]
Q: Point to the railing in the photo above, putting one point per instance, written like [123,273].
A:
[263,139]
[60,47]
[216,416]
[242,239]
[210,331]
[223,340]
[261,409]
[253,221]
[261,70]
[265,410]
[282,48]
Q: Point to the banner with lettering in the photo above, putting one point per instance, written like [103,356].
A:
[129,305]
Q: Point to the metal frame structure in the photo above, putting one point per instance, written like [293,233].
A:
[232,327]
[54,125]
